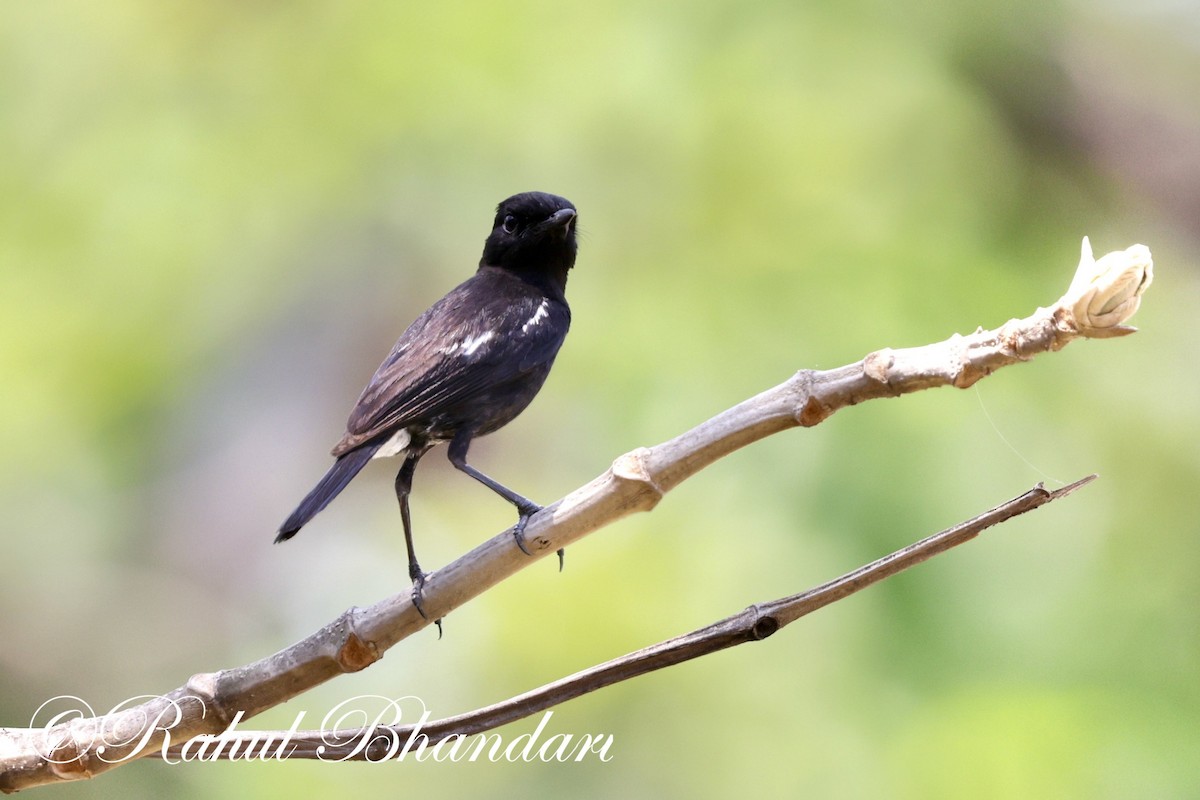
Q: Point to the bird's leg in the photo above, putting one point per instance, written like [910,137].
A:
[526,508]
[404,480]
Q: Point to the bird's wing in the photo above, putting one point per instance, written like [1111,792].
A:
[458,347]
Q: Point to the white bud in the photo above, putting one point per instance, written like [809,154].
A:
[1106,292]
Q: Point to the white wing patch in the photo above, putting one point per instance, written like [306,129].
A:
[539,315]
[469,346]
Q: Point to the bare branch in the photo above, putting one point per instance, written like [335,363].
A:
[751,625]
[1101,298]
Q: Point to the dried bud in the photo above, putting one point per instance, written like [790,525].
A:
[1105,293]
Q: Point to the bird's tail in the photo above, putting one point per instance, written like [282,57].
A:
[345,468]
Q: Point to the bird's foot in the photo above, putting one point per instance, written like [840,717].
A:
[418,579]
[525,511]
[519,531]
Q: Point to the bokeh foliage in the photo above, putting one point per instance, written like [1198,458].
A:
[217,216]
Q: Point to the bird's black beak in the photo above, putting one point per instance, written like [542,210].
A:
[560,222]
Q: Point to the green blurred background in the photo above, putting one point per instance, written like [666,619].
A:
[216,217]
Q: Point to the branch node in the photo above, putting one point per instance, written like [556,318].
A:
[763,627]
[70,759]
[205,686]
[877,364]
[969,374]
[811,411]
[631,467]
[356,653]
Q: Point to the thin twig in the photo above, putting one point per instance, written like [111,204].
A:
[751,625]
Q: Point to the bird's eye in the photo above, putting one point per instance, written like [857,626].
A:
[510,224]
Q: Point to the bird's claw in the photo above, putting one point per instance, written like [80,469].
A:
[418,580]
[519,533]
[522,521]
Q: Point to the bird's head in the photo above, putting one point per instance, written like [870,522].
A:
[533,235]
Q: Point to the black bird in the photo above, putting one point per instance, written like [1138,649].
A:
[467,366]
